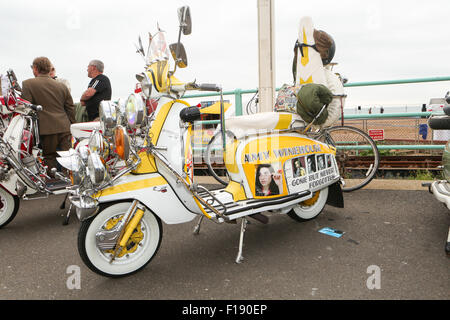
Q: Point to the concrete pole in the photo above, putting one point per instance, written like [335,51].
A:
[266,55]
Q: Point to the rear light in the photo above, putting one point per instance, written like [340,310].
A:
[27,142]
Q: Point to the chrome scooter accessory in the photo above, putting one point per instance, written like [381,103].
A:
[85,206]
[108,239]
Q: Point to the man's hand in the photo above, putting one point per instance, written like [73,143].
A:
[89,93]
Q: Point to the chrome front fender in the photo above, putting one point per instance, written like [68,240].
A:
[85,206]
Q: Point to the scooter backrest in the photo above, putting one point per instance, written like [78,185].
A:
[447,108]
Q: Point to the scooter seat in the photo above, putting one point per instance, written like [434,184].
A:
[84,129]
[263,122]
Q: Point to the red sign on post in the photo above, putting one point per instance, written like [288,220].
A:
[376,134]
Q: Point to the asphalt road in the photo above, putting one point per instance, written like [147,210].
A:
[392,248]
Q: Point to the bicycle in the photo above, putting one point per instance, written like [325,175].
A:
[357,154]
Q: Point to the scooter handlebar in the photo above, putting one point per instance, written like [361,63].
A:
[29,105]
[35,107]
[203,87]
[209,87]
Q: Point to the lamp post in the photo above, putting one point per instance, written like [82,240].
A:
[266,55]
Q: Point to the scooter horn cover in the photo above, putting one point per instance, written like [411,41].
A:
[190,114]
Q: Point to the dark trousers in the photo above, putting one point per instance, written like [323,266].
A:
[51,143]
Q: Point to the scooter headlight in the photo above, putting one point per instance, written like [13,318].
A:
[83,150]
[134,111]
[96,169]
[75,165]
[122,143]
[108,117]
[78,172]
[97,144]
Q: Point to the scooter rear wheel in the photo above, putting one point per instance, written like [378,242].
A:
[311,208]
[357,155]
[138,252]
[9,206]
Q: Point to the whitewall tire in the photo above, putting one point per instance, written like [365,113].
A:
[99,261]
[310,209]
[9,206]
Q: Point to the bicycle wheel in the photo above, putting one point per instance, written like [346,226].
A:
[357,155]
[214,157]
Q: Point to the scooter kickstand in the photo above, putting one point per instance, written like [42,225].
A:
[197,227]
[66,218]
[240,257]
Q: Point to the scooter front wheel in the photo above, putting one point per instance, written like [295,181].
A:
[9,206]
[311,208]
[135,255]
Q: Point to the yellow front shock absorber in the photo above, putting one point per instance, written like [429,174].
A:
[131,226]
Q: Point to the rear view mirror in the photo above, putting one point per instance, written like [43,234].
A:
[179,54]
[184,16]
[13,80]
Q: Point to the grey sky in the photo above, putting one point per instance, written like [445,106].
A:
[376,40]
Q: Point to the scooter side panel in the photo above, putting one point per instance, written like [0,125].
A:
[13,135]
[10,185]
[14,131]
[294,163]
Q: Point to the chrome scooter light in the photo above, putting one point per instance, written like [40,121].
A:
[98,145]
[85,206]
[108,117]
[78,172]
[72,161]
[134,111]
[83,150]
[96,169]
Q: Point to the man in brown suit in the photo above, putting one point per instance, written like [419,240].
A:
[57,113]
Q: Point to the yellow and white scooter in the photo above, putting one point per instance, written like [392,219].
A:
[139,172]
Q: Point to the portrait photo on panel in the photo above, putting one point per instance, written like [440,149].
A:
[269,181]
[298,167]
[311,160]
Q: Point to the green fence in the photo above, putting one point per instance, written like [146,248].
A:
[237,93]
